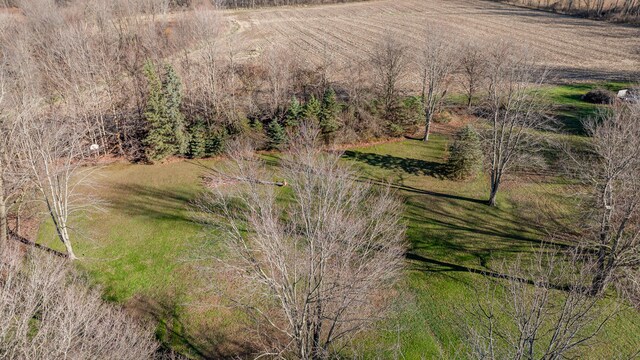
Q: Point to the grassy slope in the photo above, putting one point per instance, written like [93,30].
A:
[453,233]
[138,249]
[570,109]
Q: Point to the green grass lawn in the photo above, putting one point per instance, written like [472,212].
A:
[141,249]
[570,109]
[454,236]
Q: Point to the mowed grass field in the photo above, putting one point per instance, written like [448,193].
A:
[144,249]
[343,35]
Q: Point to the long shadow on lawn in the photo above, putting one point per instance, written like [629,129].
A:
[158,203]
[414,190]
[408,165]
[472,229]
[206,342]
[430,264]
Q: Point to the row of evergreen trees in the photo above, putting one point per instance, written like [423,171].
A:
[168,133]
[323,112]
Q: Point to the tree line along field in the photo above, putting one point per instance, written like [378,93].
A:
[572,48]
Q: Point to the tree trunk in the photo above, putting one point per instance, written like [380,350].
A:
[63,235]
[317,350]
[597,285]
[67,244]
[427,129]
[494,192]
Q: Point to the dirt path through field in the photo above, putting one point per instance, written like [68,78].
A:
[574,48]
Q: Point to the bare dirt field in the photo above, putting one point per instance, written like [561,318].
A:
[573,48]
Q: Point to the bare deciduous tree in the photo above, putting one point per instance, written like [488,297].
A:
[539,309]
[512,109]
[439,60]
[54,152]
[48,312]
[318,259]
[390,62]
[472,66]
[613,202]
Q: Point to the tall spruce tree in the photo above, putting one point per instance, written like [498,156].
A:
[159,139]
[312,109]
[294,113]
[329,112]
[172,89]
[276,134]
[197,139]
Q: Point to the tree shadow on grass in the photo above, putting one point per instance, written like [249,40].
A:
[445,221]
[408,165]
[202,341]
[25,241]
[433,265]
[415,190]
[164,204]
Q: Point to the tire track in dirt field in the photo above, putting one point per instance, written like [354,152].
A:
[575,47]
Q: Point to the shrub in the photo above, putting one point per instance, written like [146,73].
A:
[600,96]
[465,154]
[443,117]
[395,130]
[205,142]
[412,111]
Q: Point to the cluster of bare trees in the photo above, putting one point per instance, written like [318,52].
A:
[262,3]
[48,312]
[539,309]
[554,306]
[500,81]
[611,175]
[317,261]
[618,10]
[70,89]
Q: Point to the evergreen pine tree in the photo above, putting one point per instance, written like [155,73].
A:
[312,109]
[214,144]
[172,89]
[158,141]
[294,113]
[329,114]
[197,139]
[275,134]
[465,154]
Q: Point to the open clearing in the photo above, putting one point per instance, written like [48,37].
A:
[573,48]
[144,249]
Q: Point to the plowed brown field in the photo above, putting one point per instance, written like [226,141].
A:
[573,47]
